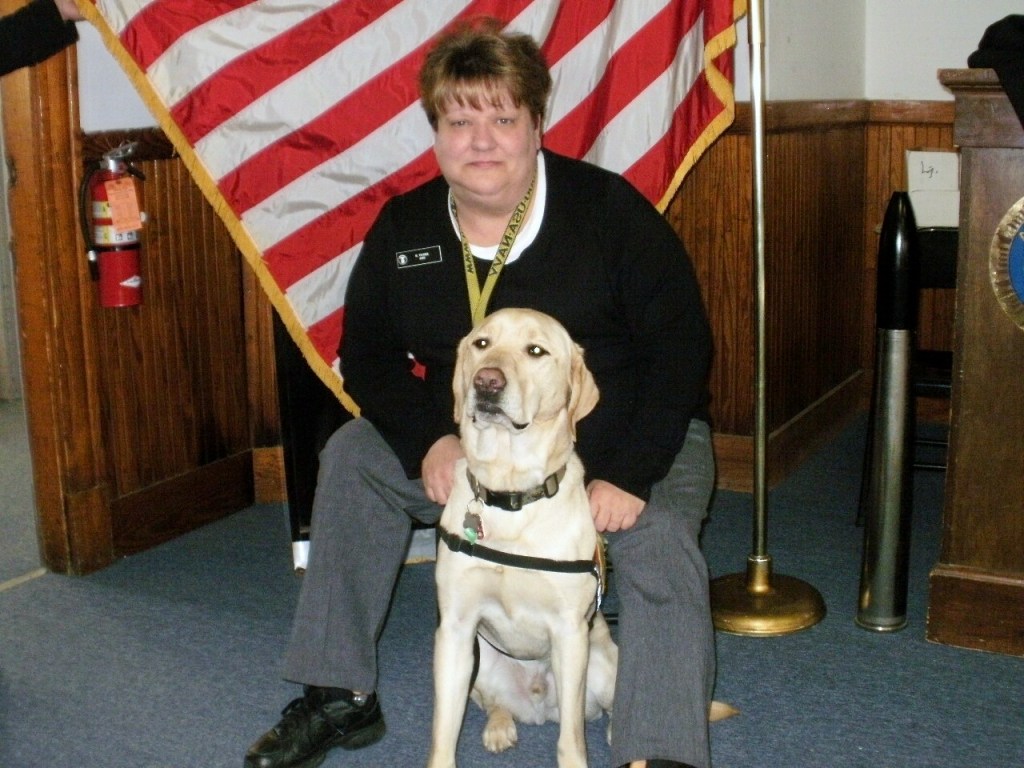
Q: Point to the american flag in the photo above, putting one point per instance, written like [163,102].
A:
[299,118]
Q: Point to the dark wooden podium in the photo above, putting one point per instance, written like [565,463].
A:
[977,587]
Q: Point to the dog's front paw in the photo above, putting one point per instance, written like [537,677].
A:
[500,732]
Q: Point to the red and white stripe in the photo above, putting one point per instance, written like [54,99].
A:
[299,118]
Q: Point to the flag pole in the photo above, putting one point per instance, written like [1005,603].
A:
[759,602]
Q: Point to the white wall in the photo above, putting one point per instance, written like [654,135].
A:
[814,49]
[909,40]
[872,49]
[108,101]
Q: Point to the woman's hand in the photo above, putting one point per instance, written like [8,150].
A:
[438,468]
[613,509]
[68,10]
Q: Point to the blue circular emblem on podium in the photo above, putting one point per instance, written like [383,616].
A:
[1015,263]
[1006,263]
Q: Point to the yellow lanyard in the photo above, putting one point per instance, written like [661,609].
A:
[479,297]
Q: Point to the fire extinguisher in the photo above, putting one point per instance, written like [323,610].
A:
[110,219]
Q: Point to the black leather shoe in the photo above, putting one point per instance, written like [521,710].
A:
[663,764]
[320,720]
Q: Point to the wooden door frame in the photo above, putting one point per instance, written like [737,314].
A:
[55,305]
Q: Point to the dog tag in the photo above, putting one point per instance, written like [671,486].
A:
[473,527]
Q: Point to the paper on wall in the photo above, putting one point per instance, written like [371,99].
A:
[933,183]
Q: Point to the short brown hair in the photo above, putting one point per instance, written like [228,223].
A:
[475,61]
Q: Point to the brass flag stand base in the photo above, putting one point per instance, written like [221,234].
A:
[757,602]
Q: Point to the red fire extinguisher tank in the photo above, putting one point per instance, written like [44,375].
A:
[110,225]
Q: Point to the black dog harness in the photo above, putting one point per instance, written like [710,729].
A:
[596,567]
[458,544]
[514,501]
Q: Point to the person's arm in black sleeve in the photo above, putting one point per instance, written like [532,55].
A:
[375,364]
[32,34]
[671,340]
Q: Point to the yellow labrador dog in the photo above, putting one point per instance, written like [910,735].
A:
[516,566]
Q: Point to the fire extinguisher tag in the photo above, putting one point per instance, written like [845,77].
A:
[124,204]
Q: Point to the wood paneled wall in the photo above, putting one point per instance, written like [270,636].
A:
[145,421]
[220,370]
[830,169]
[183,409]
[188,376]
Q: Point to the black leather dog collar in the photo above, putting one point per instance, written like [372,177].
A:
[513,501]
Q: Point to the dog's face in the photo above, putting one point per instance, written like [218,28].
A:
[518,368]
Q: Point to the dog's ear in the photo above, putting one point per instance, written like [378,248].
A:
[583,394]
[458,380]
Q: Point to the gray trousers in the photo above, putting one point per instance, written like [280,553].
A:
[362,519]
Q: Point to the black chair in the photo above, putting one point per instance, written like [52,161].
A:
[931,373]
[310,413]
[909,261]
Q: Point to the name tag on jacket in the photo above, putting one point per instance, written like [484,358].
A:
[418,257]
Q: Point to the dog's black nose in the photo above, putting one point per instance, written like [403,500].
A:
[489,381]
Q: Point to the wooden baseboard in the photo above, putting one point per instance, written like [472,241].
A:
[971,608]
[734,462]
[269,480]
[170,508]
[790,444]
[89,533]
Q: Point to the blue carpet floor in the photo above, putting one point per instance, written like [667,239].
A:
[20,553]
[170,659]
